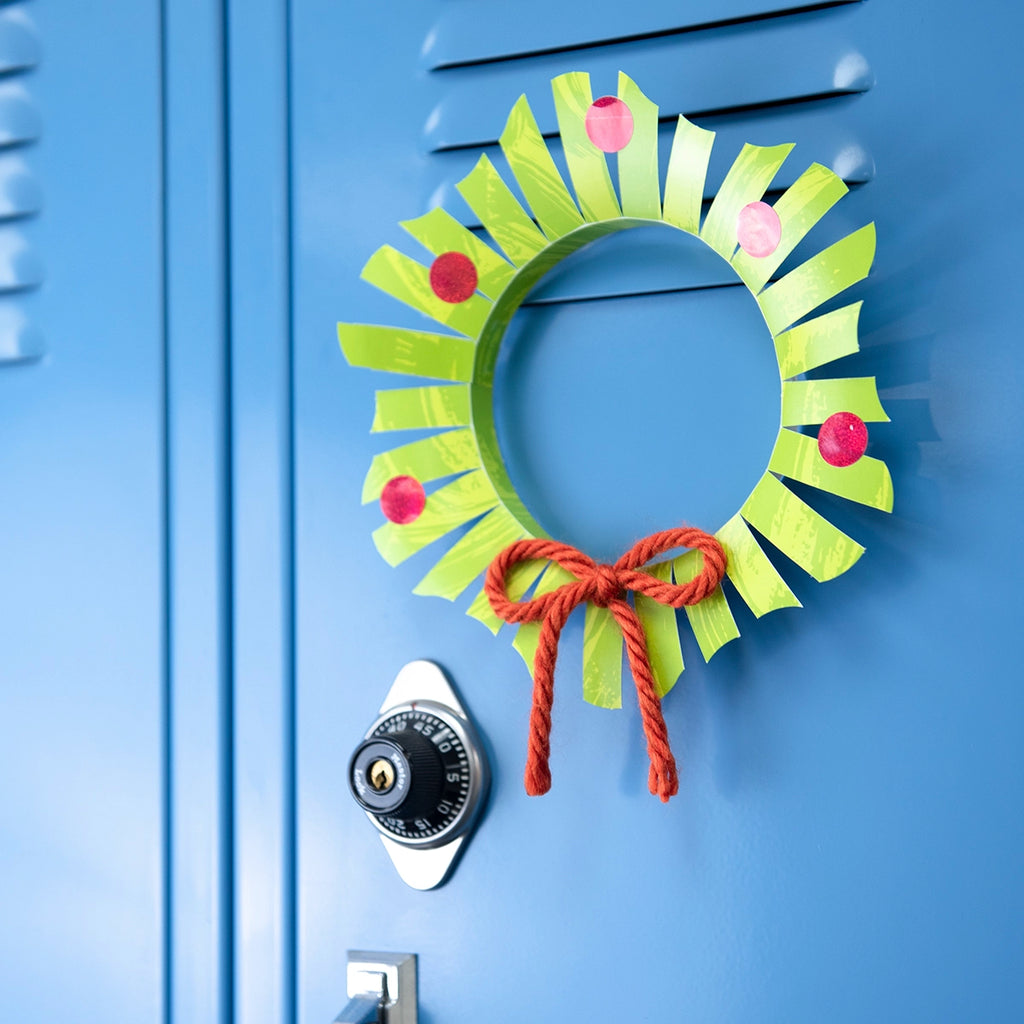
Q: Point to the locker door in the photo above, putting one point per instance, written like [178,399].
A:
[845,844]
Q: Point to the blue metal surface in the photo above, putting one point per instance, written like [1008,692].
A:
[179,699]
[199,866]
[769,62]
[81,535]
[847,844]
[21,268]
[534,26]
[261,486]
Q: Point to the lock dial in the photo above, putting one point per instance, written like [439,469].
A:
[413,773]
[420,775]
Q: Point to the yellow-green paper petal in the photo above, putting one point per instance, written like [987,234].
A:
[798,531]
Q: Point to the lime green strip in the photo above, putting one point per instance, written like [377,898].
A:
[527,154]
[711,620]
[447,508]
[867,480]
[798,531]
[501,213]
[602,658]
[752,574]
[430,459]
[439,232]
[528,633]
[415,353]
[799,208]
[519,580]
[749,176]
[588,167]
[470,555]
[411,408]
[687,171]
[813,401]
[408,281]
[818,341]
[639,185]
[817,280]
[662,631]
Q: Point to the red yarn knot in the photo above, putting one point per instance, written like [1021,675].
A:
[606,586]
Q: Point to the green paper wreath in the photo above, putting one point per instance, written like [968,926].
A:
[474,289]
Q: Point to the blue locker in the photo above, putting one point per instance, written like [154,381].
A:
[198,629]
[845,845]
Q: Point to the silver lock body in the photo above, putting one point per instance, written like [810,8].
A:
[421,775]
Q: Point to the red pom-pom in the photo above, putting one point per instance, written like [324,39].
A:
[842,439]
[403,499]
[609,124]
[453,277]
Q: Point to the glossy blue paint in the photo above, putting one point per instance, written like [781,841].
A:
[795,58]
[456,38]
[264,967]
[846,845]
[199,944]
[197,629]
[81,532]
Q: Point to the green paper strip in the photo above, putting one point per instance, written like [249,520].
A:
[412,408]
[753,575]
[528,156]
[799,208]
[639,185]
[749,176]
[588,167]
[470,555]
[447,508]
[866,481]
[521,577]
[408,281]
[813,401]
[439,232]
[602,658]
[818,341]
[711,620]
[798,531]
[454,451]
[687,171]
[416,353]
[528,633]
[662,631]
[501,213]
[818,279]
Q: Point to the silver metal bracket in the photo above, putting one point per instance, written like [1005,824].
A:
[381,987]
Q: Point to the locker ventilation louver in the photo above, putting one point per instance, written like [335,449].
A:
[20,267]
[744,68]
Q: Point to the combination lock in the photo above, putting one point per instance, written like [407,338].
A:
[421,775]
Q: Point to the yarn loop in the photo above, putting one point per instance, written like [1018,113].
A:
[605,586]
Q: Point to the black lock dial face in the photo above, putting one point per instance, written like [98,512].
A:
[417,820]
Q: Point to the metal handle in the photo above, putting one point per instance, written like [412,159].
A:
[361,1010]
[381,989]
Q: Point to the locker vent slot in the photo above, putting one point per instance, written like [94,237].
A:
[465,35]
[21,269]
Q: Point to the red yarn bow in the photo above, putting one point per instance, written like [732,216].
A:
[606,586]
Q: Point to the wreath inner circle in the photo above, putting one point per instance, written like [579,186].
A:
[724,436]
